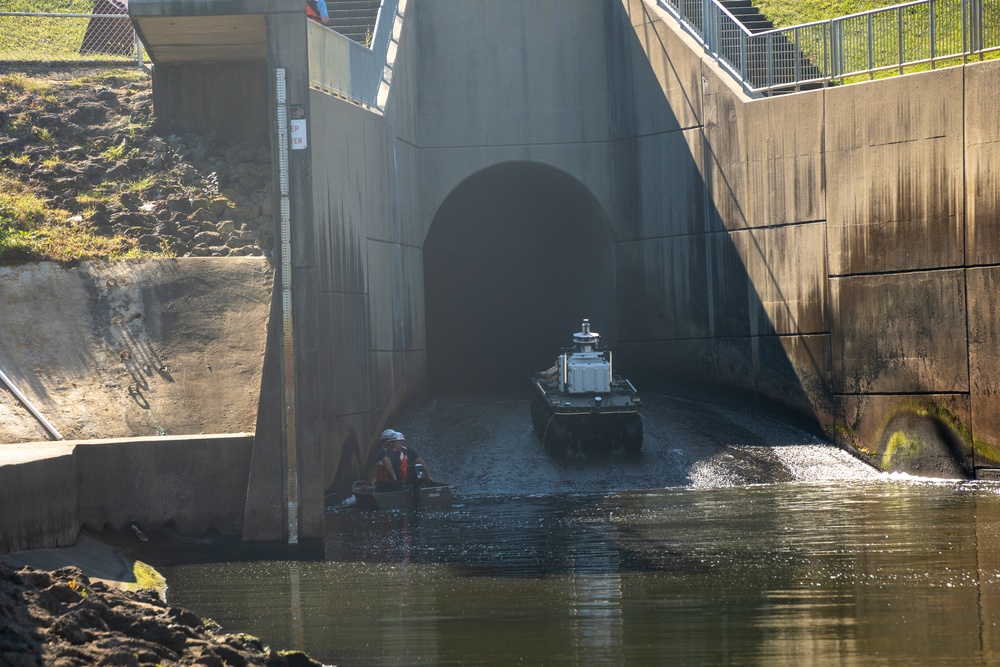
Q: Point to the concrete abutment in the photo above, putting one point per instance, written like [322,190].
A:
[835,250]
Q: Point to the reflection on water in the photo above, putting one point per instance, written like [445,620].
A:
[888,572]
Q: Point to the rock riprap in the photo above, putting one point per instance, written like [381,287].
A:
[62,619]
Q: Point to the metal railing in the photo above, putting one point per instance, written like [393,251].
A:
[71,30]
[909,37]
[343,67]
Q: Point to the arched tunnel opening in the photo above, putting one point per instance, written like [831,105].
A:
[516,256]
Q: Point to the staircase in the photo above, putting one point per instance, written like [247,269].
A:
[354,19]
[782,55]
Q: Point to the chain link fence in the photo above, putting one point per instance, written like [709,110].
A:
[67,30]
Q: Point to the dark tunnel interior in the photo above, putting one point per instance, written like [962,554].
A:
[517,255]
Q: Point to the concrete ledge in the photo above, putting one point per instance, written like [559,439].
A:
[38,497]
[49,491]
[197,482]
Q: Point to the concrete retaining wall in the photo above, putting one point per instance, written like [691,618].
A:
[870,295]
[835,250]
[49,491]
[38,496]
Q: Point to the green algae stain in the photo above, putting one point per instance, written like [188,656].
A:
[900,445]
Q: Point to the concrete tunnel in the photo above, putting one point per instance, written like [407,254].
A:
[516,256]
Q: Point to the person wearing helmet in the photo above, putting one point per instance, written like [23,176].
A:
[376,471]
[400,465]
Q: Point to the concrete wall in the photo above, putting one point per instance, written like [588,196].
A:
[50,490]
[236,109]
[38,494]
[757,243]
[516,82]
[357,292]
[863,218]
[833,249]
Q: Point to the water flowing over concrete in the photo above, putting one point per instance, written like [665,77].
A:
[484,443]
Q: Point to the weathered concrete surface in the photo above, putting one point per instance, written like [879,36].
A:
[155,348]
[900,333]
[38,494]
[813,248]
[666,67]
[50,490]
[787,266]
[894,152]
[134,348]
[983,286]
[97,560]
[982,154]
[786,181]
[847,210]
[198,483]
[926,435]
[240,91]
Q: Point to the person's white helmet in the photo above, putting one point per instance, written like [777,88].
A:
[388,434]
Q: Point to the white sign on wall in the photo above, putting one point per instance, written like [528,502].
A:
[297,127]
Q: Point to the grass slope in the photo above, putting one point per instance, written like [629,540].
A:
[31,228]
[27,38]
[786,13]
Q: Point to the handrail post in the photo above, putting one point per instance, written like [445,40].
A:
[871,46]
[899,41]
[965,32]
[770,61]
[744,69]
[976,33]
[828,36]
[796,55]
[711,35]
[933,35]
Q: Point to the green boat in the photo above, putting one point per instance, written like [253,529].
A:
[440,495]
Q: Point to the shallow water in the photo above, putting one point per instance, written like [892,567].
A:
[736,538]
[885,572]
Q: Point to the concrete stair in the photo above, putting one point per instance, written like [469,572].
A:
[354,19]
[783,54]
[748,15]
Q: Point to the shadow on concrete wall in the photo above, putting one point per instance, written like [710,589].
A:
[516,256]
[698,287]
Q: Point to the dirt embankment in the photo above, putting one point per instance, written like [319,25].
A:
[85,169]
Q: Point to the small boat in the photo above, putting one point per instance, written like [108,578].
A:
[582,406]
[440,495]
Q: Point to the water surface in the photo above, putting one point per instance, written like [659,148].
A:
[736,539]
[887,572]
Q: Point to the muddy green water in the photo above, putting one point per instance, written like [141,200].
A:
[879,572]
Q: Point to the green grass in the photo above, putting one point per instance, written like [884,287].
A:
[28,38]
[786,13]
[886,47]
[30,230]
